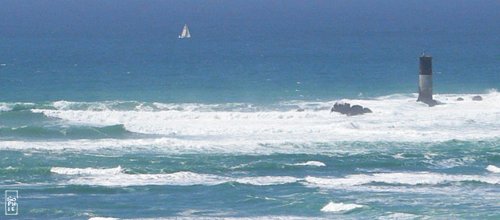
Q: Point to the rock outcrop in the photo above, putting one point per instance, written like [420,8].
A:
[477,98]
[347,109]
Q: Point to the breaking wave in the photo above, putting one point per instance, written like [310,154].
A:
[399,216]
[248,128]
[417,178]
[493,169]
[393,119]
[86,171]
[115,177]
[73,132]
[310,163]
[339,207]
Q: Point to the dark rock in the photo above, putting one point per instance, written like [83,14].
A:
[342,108]
[300,110]
[477,98]
[347,109]
[460,99]
[356,110]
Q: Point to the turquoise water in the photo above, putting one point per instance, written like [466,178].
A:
[104,113]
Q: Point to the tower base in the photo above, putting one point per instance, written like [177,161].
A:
[429,102]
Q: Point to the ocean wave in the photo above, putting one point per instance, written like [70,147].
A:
[103,218]
[223,217]
[54,132]
[4,108]
[233,146]
[169,145]
[449,162]
[493,169]
[86,171]
[418,178]
[138,106]
[115,177]
[16,106]
[292,105]
[399,216]
[267,180]
[122,179]
[339,207]
[393,119]
[310,163]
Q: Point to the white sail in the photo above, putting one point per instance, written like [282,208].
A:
[185,32]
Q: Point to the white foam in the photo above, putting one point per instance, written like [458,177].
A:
[339,207]
[122,179]
[102,218]
[493,169]
[399,216]
[62,104]
[181,146]
[267,180]
[186,216]
[90,106]
[4,107]
[398,156]
[115,177]
[311,163]
[394,118]
[450,162]
[243,128]
[86,171]
[417,178]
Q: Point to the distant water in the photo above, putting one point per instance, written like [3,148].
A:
[135,123]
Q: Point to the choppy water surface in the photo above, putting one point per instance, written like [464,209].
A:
[240,160]
[105,113]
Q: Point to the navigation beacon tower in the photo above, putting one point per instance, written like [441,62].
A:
[425,81]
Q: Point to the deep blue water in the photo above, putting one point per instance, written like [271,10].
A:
[104,112]
[240,51]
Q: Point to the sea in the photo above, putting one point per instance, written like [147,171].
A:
[106,114]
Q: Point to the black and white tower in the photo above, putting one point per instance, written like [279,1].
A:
[425,81]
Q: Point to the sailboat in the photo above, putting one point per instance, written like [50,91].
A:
[185,32]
